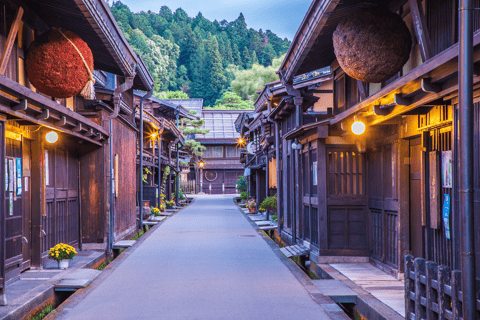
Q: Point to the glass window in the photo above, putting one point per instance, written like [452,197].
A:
[232,152]
[208,152]
[217,152]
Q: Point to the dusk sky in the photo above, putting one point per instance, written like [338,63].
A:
[282,17]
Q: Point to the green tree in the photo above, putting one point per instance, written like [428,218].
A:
[247,59]
[231,100]
[216,80]
[171,95]
[247,82]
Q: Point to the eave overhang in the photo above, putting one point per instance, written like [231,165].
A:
[23,104]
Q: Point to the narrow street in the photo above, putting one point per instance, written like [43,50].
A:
[206,262]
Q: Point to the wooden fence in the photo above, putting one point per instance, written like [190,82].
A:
[431,291]
[188,187]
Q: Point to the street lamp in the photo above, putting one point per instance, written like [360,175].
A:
[201,164]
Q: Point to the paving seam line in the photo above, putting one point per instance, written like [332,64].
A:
[62,310]
[299,274]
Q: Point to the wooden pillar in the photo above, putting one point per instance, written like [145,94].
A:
[257,189]
[169,179]
[3,298]
[267,184]
[38,199]
[322,176]
[159,170]
[403,162]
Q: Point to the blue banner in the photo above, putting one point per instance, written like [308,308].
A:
[446,215]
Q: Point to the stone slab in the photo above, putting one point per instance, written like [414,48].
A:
[158,218]
[263,223]
[89,274]
[123,244]
[336,290]
[150,223]
[73,284]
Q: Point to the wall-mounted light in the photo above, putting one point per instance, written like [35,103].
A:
[296,146]
[241,141]
[358,127]
[153,135]
[201,163]
[51,137]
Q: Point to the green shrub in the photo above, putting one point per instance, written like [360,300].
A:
[243,195]
[241,184]
[270,204]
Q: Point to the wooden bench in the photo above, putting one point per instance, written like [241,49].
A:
[123,244]
[297,250]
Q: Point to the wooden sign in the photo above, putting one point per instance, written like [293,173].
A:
[435,188]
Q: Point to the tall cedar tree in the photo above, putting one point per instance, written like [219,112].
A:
[216,80]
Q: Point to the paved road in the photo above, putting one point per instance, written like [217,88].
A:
[206,262]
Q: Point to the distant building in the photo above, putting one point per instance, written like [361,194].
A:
[222,156]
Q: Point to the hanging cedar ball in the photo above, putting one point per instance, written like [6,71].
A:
[57,64]
[372,45]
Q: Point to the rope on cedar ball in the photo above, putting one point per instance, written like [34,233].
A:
[60,64]
[372,45]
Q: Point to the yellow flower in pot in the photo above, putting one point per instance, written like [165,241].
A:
[62,253]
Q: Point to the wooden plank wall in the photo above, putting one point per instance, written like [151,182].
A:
[124,144]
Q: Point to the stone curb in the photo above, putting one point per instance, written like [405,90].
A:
[62,310]
[329,307]
[24,304]
[367,305]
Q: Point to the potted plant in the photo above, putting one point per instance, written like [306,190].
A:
[270,205]
[170,204]
[251,206]
[62,253]
[155,211]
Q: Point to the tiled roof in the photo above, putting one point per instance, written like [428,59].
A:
[190,104]
[220,123]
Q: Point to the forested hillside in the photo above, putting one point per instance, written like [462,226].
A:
[195,55]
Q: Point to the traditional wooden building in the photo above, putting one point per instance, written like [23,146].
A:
[393,190]
[222,155]
[160,135]
[57,186]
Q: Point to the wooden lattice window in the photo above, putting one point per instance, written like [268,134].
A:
[345,170]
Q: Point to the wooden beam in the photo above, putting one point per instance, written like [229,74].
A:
[427,86]
[99,137]
[44,115]
[362,89]
[78,128]
[21,106]
[11,40]
[382,110]
[62,122]
[400,100]
[421,31]
[90,133]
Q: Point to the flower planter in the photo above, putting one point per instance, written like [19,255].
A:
[63,264]
[169,207]
[251,210]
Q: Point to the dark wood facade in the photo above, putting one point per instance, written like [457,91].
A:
[58,192]
[379,195]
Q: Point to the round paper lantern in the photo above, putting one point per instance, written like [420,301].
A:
[60,64]
[372,45]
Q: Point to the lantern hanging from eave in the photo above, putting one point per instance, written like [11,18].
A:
[372,45]
[60,64]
